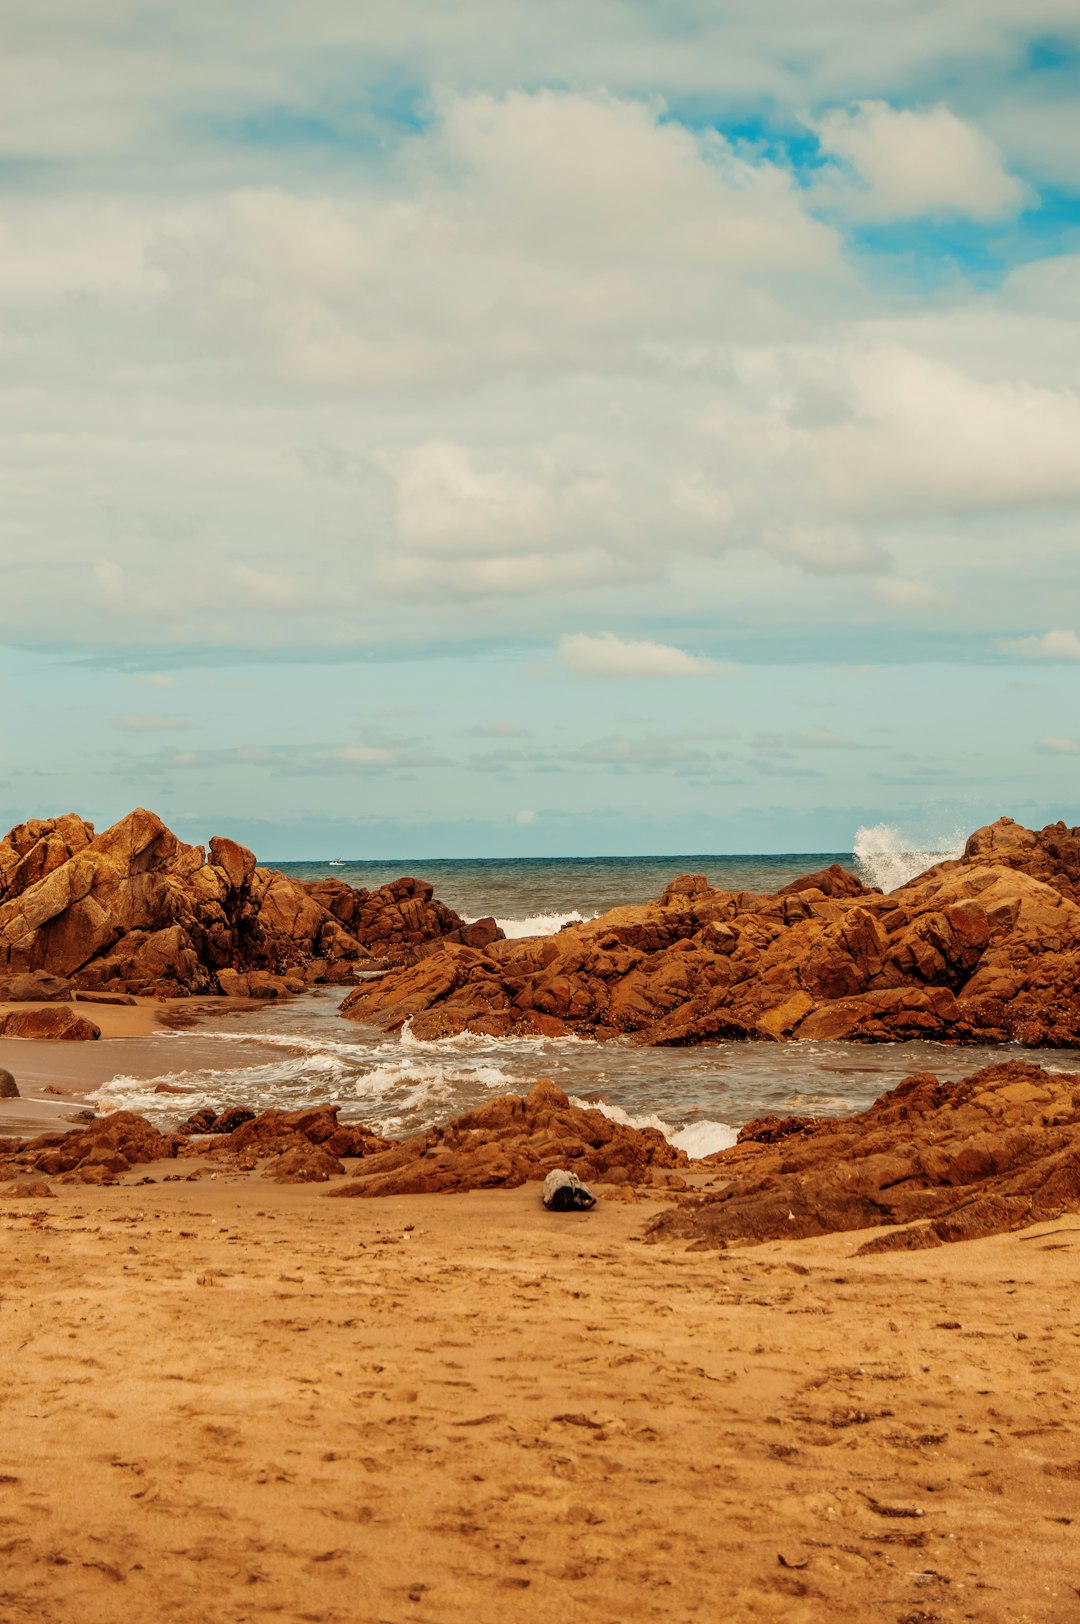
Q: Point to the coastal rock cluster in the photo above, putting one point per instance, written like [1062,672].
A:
[981,949]
[994,1151]
[504,1143]
[513,1140]
[292,1147]
[135,910]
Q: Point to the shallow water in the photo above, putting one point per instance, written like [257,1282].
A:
[303,1052]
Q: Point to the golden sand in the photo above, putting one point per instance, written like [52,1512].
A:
[229,1401]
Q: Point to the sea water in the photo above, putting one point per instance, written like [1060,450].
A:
[302,1052]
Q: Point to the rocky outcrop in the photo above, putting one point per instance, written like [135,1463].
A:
[982,949]
[511,1141]
[32,850]
[292,1146]
[135,910]
[991,1152]
[400,919]
[93,1155]
[57,1022]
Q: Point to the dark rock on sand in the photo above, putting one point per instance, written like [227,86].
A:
[994,1151]
[982,949]
[9,1088]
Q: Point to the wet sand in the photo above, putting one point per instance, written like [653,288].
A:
[137,1040]
[232,1401]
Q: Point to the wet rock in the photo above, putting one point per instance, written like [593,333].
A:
[994,1151]
[58,1022]
[512,1140]
[981,949]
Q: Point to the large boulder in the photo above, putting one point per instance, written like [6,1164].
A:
[994,1151]
[985,948]
[57,1022]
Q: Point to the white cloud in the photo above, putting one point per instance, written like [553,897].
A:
[901,594]
[524,818]
[1059,644]
[828,552]
[609,656]
[918,161]
[1052,745]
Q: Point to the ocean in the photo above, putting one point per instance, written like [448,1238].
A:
[302,1052]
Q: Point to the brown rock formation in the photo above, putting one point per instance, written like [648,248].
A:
[400,918]
[994,1151]
[982,949]
[135,910]
[9,1088]
[59,1021]
[512,1140]
[36,987]
[91,1155]
[299,1145]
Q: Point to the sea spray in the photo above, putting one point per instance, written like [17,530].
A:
[885,857]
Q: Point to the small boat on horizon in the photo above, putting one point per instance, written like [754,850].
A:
[335,862]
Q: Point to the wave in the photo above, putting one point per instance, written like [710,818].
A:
[541,924]
[697,1138]
[886,858]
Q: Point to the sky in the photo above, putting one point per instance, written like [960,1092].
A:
[490,429]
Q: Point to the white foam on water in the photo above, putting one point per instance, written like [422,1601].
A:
[886,858]
[697,1138]
[704,1138]
[542,924]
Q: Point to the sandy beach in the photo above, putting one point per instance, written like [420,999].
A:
[55,1078]
[230,1400]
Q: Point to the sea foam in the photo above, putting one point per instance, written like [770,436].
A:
[885,857]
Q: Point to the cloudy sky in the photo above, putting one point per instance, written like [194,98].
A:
[478,427]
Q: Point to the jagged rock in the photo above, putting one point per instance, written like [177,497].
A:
[31,851]
[58,1022]
[36,987]
[997,1150]
[9,1088]
[94,1154]
[241,1132]
[398,920]
[512,1140]
[135,910]
[985,948]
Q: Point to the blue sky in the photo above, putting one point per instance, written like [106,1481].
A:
[482,429]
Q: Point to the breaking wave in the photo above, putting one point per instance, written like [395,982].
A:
[697,1138]
[541,924]
[886,858]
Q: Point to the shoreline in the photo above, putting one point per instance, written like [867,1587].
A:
[430,1408]
[55,1077]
